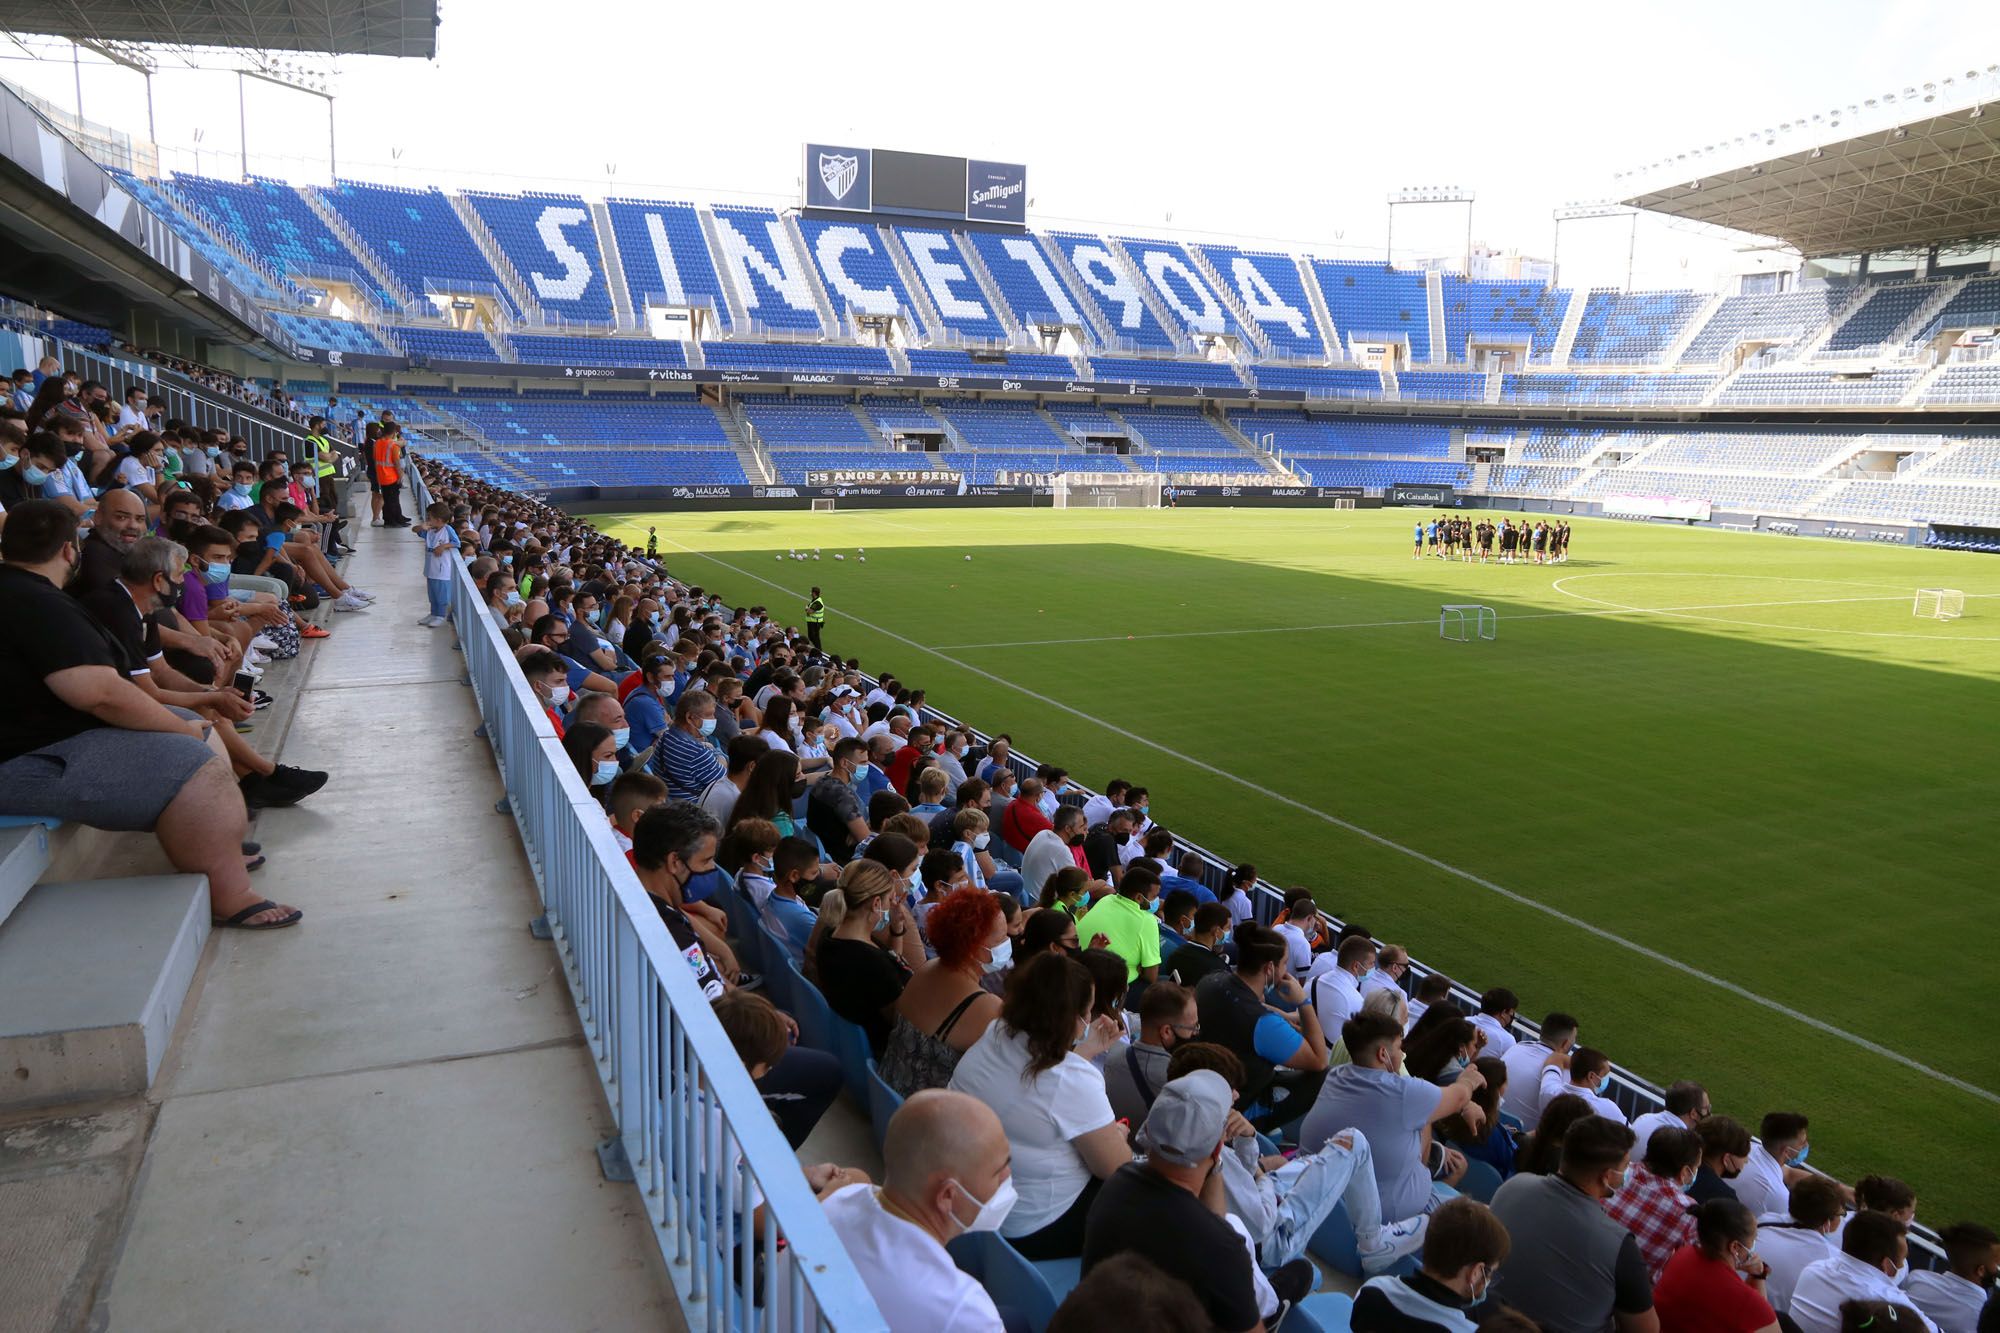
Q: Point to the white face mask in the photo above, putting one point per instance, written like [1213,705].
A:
[979,841]
[559,695]
[1003,955]
[994,1211]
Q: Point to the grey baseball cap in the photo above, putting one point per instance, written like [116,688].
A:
[1187,1118]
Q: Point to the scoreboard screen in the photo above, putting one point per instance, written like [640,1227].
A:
[932,185]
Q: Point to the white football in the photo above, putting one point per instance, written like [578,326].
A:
[838,556]
[815,555]
[968,557]
[862,558]
[777,557]
[861,550]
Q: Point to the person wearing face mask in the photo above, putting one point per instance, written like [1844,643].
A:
[945,1008]
[1258,1011]
[794,866]
[1716,1285]
[1201,951]
[548,680]
[1793,1241]
[594,754]
[1776,1162]
[1955,1299]
[946,1171]
[867,945]
[1051,849]
[1573,1269]
[1463,1248]
[686,757]
[242,481]
[1585,1073]
[1725,1147]
[1653,1206]
[1134,1076]
[1127,919]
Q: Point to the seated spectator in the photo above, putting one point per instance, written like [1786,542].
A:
[1793,1241]
[594,754]
[1497,1010]
[671,845]
[1022,818]
[770,789]
[1134,1076]
[1954,1298]
[902,856]
[1242,883]
[1438,1052]
[1158,1207]
[747,853]
[1052,849]
[1126,920]
[1716,1283]
[834,811]
[685,757]
[945,1008]
[1176,919]
[1266,1038]
[1873,1259]
[1186,875]
[1883,1194]
[1389,1004]
[1201,952]
[1541,1152]
[1574,1269]
[1034,1068]
[1685,1105]
[722,794]
[1774,1164]
[1494,1143]
[1394,1111]
[1282,1199]
[1306,937]
[1463,1248]
[79,741]
[548,682]
[946,1172]
[1047,931]
[1725,1147]
[632,795]
[604,710]
[1392,963]
[1587,1074]
[784,911]
[995,761]
[1132,1292]
[1102,844]
[1653,1205]
[867,946]
[1069,891]
[1336,989]
[1526,1061]
[1882,1317]
[1433,989]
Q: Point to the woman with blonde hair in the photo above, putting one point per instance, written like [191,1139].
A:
[864,948]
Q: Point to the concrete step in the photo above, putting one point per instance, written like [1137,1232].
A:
[24,855]
[92,979]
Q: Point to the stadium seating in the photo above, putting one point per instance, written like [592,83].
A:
[1322,381]
[572,350]
[773,282]
[1558,389]
[1371,301]
[621,467]
[1505,310]
[1449,386]
[782,422]
[664,256]
[894,414]
[1747,453]
[1881,313]
[1819,387]
[1027,280]
[1305,436]
[1269,289]
[179,215]
[1975,382]
[1778,317]
[1019,365]
[808,358]
[942,268]
[418,237]
[439,344]
[1631,328]
[1915,502]
[1115,293]
[1376,474]
[272,220]
[1178,430]
[1181,287]
[552,246]
[337,335]
[1532,479]
[548,420]
[856,271]
[1974,461]
[1132,370]
[1007,426]
[1976,307]
[1724,491]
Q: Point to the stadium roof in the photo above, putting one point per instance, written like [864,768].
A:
[1934,180]
[330,27]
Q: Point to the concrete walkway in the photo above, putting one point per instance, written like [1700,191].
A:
[385,1117]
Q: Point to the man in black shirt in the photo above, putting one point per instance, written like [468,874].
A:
[1101,844]
[1201,953]
[1167,1206]
[80,741]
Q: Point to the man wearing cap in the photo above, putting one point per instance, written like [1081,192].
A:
[1168,1206]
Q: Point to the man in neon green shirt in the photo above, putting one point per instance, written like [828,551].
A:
[1126,921]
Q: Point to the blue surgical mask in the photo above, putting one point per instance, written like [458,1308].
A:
[607,769]
[514,598]
[217,576]
[214,451]
[1604,1085]
[621,736]
[1154,907]
[8,461]
[33,475]
[882,920]
[506,559]
[1800,1160]
[242,489]
[708,726]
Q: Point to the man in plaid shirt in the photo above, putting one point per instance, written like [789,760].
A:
[1652,1205]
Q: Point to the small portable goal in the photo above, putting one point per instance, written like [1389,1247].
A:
[1939,604]
[1462,622]
[823,506]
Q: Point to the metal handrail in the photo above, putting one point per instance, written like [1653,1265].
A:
[693,1126]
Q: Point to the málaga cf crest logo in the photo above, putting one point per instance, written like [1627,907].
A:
[838,171]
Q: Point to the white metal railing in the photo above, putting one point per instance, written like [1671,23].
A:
[700,1141]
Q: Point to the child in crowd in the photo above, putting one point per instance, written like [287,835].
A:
[439,541]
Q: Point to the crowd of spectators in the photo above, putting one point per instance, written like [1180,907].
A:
[1106,1059]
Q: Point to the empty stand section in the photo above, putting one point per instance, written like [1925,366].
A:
[549,240]
[418,237]
[1632,328]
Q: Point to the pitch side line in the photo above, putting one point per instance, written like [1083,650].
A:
[1610,937]
[1390,624]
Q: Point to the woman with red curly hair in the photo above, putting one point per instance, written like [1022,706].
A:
[944,1009]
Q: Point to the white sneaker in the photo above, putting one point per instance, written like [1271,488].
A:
[358,593]
[375,523]
[263,644]
[347,601]
[253,665]
[1392,1242]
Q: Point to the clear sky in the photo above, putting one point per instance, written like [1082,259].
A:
[1287,123]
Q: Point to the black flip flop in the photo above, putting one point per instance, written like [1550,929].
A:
[241,921]
[255,862]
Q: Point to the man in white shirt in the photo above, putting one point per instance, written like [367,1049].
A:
[1526,1060]
[1098,808]
[1336,992]
[946,1171]
[1435,988]
[133,413]
[1775,1163]
[1391,963]
[1687,1105]
[1497,1009]
[1588,1077]
[1954,1300]
[1792,1242]
[1874,1257]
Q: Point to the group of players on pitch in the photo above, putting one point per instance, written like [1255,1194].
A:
[1537,543]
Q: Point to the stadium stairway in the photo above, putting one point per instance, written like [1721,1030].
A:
[384,1117]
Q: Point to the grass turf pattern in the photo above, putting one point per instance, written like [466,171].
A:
[1739,752]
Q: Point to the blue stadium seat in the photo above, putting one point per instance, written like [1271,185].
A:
[1509,310]
[1013,1283]
[572,350]
[1134,370]
[1631,327]
[665,256]
[1028,281]
[439,344]
[419,238]
[1269,288]
[856,271]
[883,1103]
[1020,365]
[1321,381]
[1115,293]
[773,282]
[1373,302]
[272,220]
[1880,314]
[943,269]
[552,245]
[1182,287]
[1778,317]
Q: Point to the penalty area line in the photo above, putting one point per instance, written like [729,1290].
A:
[1390,844]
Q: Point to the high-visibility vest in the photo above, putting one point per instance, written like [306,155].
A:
[388,457]
[322,455]
[815,612]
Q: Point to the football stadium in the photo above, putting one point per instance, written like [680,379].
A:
[598,754]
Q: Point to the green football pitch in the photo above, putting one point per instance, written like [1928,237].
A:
[1721,795]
